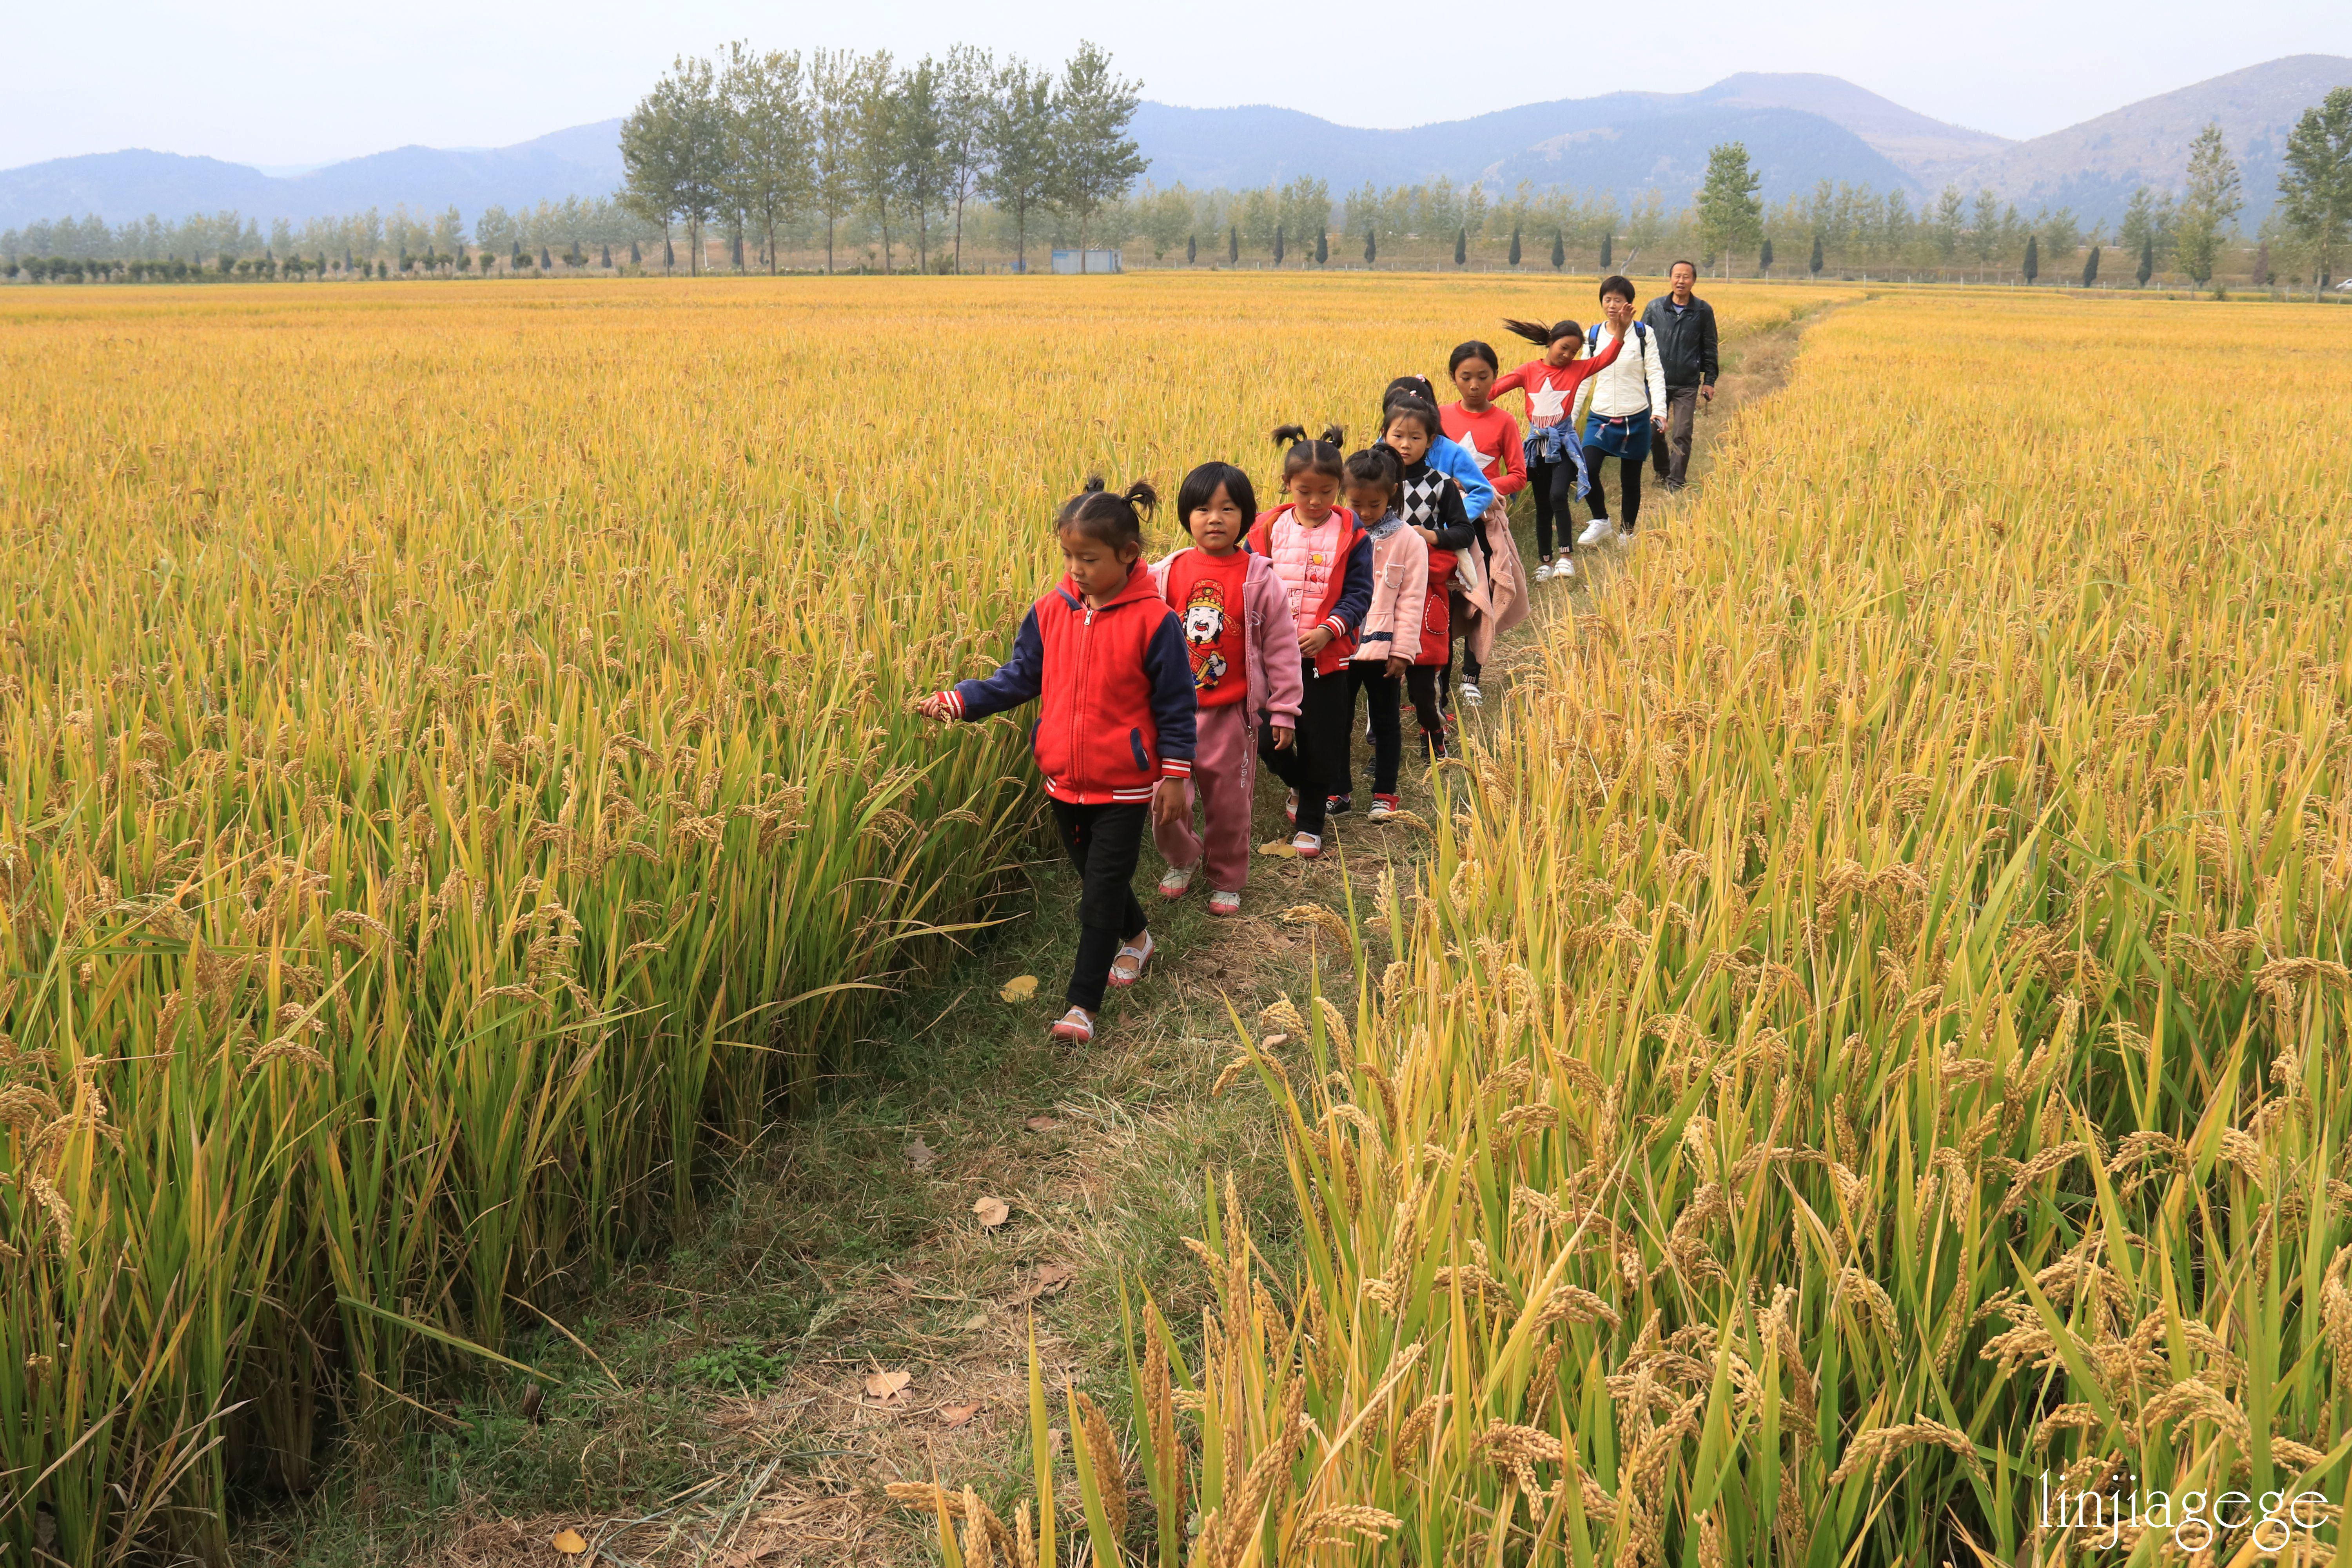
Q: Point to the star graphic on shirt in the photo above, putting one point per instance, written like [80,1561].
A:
[1548,401]
[1479,454]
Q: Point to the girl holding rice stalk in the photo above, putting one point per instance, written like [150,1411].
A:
[1104,655]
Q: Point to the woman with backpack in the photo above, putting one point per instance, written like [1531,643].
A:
[1624,408]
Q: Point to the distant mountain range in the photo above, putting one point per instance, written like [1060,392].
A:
[1799,129]
[119,187]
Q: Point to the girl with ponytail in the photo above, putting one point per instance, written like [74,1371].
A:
[1555,456]
[1105,656]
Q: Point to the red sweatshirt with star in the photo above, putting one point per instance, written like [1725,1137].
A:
[1492,437]
[1551,389]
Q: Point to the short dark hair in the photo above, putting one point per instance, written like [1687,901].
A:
[1617,283]
[1113,519]
[1682,261]
[1303,454]
[1202,485]
[1474,348]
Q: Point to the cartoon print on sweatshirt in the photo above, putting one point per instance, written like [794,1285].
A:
[1205,620]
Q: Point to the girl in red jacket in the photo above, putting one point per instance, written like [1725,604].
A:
[1555,455]
[1115,736]
[1325,561]
[1235,614]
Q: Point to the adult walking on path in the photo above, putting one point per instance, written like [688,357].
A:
[1625,408]
[1684,325]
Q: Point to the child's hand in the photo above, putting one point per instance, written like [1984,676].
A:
[1315,642]
[1168,806]
[1428,535]
[1397,667]
[936,706]
[1285,737]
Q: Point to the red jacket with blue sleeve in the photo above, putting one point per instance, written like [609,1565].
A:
[1117,701]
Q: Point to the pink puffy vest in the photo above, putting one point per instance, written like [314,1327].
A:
[1307,560]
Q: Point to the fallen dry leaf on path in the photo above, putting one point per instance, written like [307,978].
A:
[1049,1278]
[1020,988]
[991,1212]
[1280,849]
[919,1155]
[570,1543]
[887,1385]
[956,1414]
[1041,1124]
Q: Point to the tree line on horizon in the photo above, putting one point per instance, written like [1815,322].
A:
[942,148]
[753,139]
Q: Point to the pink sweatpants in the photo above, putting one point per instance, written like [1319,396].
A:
[1224,772]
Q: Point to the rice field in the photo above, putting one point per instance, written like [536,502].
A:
[1861,1077]
[1864,1076]
[455,782]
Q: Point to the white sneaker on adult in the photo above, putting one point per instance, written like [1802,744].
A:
[1567,567]
[1544,572]
[1598,529]
[1470,694]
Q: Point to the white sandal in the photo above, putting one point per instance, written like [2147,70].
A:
[1075,1027]
[1142,955]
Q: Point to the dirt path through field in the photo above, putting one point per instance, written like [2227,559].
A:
[839,1316]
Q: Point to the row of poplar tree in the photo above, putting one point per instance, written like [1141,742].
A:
[751,141]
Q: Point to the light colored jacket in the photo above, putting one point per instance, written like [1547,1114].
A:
[1275,687]
[1636,381]
[1400,596]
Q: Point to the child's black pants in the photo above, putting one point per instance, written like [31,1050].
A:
[1103,842]
[1317,766]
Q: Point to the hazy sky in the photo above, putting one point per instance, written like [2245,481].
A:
[308,83]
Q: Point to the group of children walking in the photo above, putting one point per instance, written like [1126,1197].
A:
[1162,686]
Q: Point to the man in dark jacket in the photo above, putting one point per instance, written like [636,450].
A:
[1684,325]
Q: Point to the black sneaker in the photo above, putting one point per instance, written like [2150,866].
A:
[1338,804]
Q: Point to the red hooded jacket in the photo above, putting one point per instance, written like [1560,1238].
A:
[1118,707]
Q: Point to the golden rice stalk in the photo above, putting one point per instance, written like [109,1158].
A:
[1110,1469]
[1322,919]
[1879,1445]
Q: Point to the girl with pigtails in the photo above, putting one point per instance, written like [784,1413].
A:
[1324,559]
[1104,657]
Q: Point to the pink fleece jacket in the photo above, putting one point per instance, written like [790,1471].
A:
[1399,594]
[1276,687]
